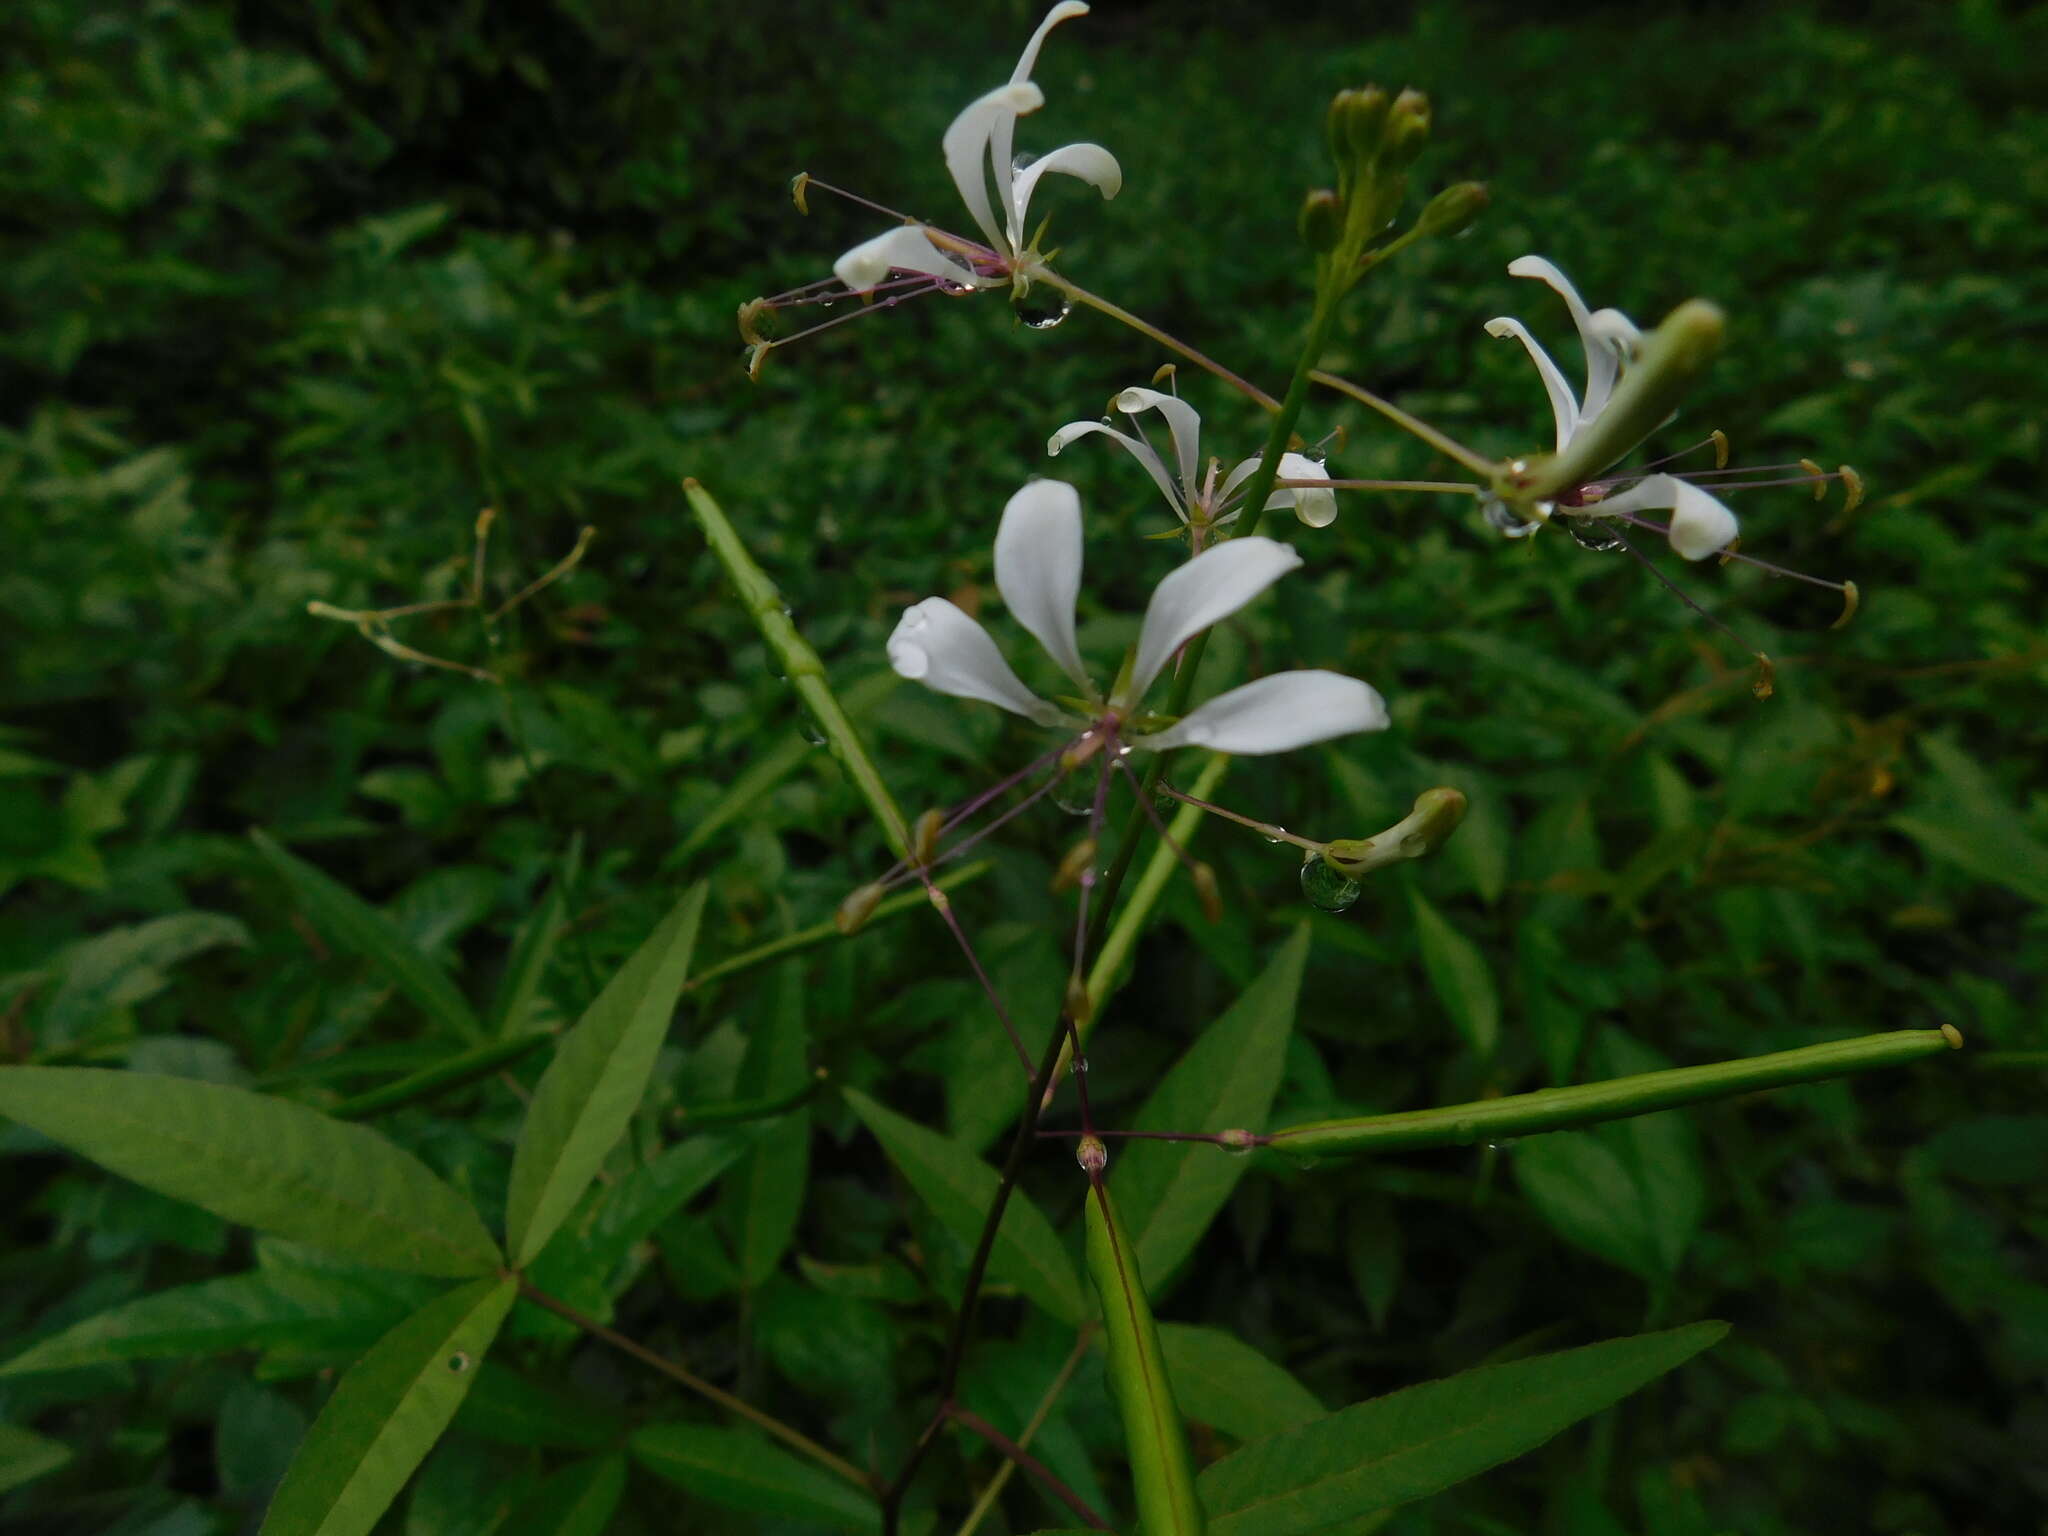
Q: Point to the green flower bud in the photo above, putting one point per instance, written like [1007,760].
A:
[1407,130]
[1322,219]
[1453,209]
[1425,829]
[1354,123]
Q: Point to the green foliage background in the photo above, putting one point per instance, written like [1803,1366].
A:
[288,293]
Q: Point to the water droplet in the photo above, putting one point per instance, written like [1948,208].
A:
[1505,520]
[1326,887]
[1080,1065]
[1075,793]
[1273,838]
[1041,308]
[813,735]
[1500,1144]
[1021,161]
[1595,533]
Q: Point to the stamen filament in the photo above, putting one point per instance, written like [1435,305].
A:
[1266,829]
[1766,672]
[1448,487]
[1476,462]
[1116,312]
[854,197]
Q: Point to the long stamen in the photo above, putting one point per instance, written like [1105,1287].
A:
[1716,440]
[1448,487]
[1843,587]
[944,904]
[1478,463]
[948,855]
[1266,829]
[1187,860]
[1764,683]
[805,181]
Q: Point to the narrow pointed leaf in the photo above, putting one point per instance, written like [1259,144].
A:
[596,1081]
[1423,1439]
[531,952]
[1459,975]
[579,1500]
[26,1455]
[767,1193]
[1221,1381]
[1162,1472]
[387,1413]
[266,1163]
[959,1187]
[1227,1079]
[736,1470]
[352,923]
[212,1317]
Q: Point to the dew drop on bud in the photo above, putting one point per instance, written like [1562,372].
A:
[1326,887]
[1092,1155]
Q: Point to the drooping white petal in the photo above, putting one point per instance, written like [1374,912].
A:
[1002,135]
[1700,523]
[1090,162]
[1564,405]
[1038,568]
[906,249]
[934,643]
[1314,505]
[1602,361]
[975,131]
[1182,422]
[1209,588]
[1277,714]
[1139,449]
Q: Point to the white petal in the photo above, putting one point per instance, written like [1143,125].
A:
[1181,421]
[1091,162]
[980,124]
[1277,714]
[1700,523]
[1314,505]
[1140,450]
[1209,588]
[1038,568]
[934,643]
[1001,141]
[1564,405]
[1602,363]
[1066,10]
[904,249]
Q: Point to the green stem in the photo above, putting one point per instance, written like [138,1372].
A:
[828,931]
[800,664]
[1553,1109]
[466,1067]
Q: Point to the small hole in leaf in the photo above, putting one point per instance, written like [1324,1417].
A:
[457,1364]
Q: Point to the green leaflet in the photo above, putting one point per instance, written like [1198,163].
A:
[531,952]
[1459,975]
[26,1455]
[1226,1080]
[215,1316]
[959,1187]
[266,1163]
[355,925]
[1221,1381]
[596,1081]
[1162,1474]
[737,1470]
[387,1413]
[579,1500]
[1423,1439]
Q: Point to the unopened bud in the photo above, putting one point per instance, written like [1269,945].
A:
[1080,1007]
[1407,130]
[1453,209]
[1074,865]
[1356,120]
[1092,1155]
[1425,829]
[854,912]
[924,836]
[1321,220]
[1206,893]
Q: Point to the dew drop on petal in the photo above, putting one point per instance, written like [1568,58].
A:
[1505,520]
[1021,161]
[1075,793]
[1326,887]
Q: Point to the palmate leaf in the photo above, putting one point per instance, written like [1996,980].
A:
[1172,1191]
[355,925]
[387,1413]
[1418,1441]
[959,1187]
[276,1166]
[740,1471]
[591,1088]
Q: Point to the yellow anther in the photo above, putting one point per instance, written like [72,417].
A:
[1164,374]
[1720,441]
[757,354]
[1852,485]
[1080,1006]
[1766,682]
[1851,599]
[924,836]
[1728,549]
[855,911]
[1206,892]
[797,186]
[1953,1036]
[1820,479]
[750,312]
[1074,865]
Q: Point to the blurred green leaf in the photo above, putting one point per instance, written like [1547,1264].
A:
[736,1470]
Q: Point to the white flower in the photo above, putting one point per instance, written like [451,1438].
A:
[1038,572]
[1700,523]
[1193,494]
[978,143]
